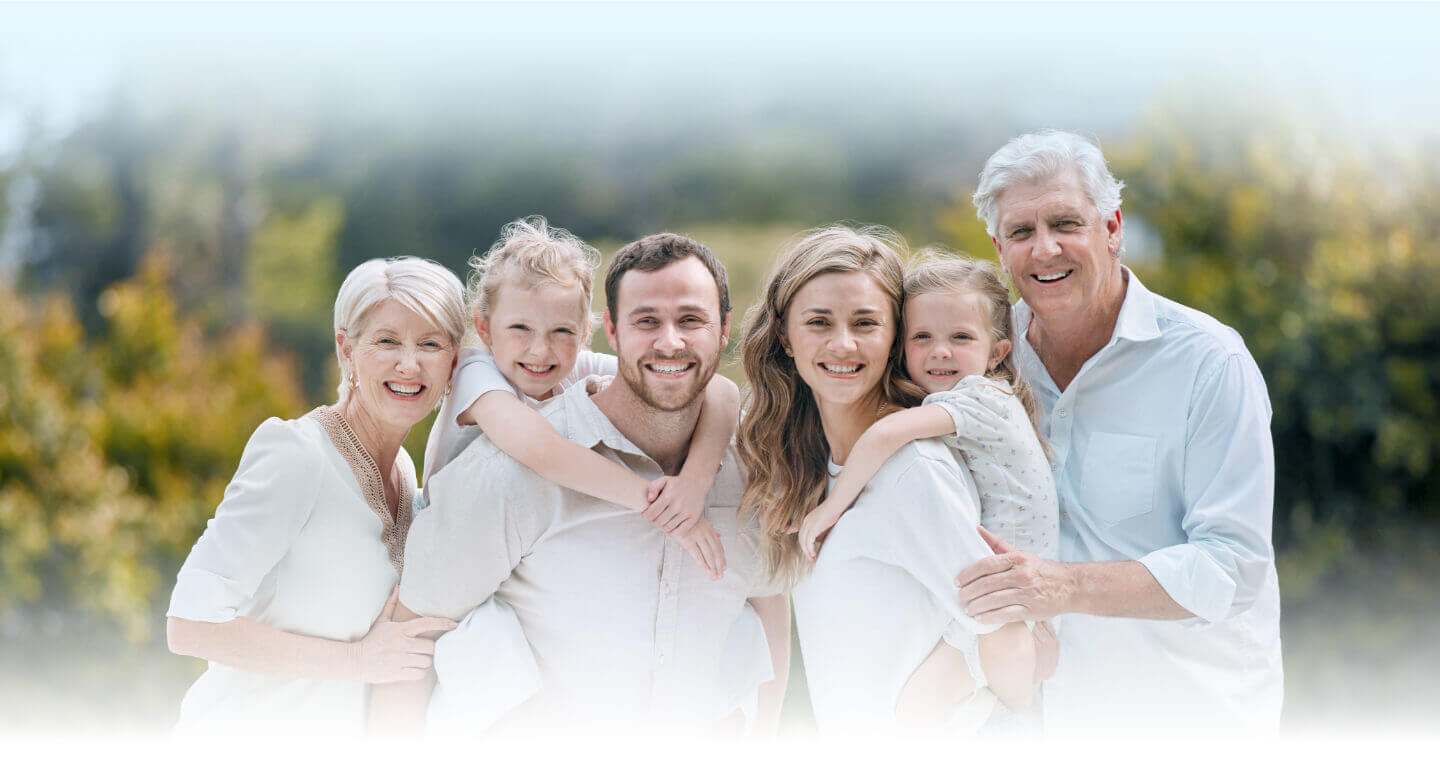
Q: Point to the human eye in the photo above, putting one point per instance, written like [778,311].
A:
[962,336]
[565,331]
[920,336]
[692,321]
[817,322]
[430,344]
[1020,232]
[867,323]
[1067,224]
[388,341]
[519,327]
[646,322]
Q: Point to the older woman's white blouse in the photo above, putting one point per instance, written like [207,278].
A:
[882,591]
[294,545]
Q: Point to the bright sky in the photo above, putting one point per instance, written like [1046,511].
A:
[1364,65]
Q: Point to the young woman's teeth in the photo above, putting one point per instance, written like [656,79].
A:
[404,390]
[841,369]
[1050,278]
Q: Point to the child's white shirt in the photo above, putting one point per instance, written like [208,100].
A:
[475,375]
[996,441]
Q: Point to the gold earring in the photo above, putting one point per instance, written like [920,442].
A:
[354,381]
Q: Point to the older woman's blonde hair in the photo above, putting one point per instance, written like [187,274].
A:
[534,254]
[781,441]
[418,284]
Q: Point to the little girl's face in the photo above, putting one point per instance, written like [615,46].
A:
[535,335]
[947,338]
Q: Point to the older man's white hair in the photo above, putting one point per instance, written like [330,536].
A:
[418,284]
[1037,157]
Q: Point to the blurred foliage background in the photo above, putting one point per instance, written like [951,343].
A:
[168,265]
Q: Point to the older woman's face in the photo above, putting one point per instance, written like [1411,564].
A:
[401,363]
[840,330]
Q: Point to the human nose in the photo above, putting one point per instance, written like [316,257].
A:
[1046,243]
[668,339]
[843,341]
[409,362]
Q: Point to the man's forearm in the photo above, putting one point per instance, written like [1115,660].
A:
[1120,588]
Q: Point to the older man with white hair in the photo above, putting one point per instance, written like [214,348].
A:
[1158,424]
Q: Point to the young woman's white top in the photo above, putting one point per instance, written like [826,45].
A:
[882,592]
[295,545]
[997,442]
[475,375]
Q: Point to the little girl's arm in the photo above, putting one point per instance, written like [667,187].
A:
[522,433]
[680,500]
[881,440]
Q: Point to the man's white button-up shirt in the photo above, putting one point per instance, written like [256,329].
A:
[1162,454]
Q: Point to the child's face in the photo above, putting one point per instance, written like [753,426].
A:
[535,335]
[947,338]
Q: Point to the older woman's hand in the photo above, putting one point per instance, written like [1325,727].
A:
[398,651]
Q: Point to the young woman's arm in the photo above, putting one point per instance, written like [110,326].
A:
[1008,657]
[881,440]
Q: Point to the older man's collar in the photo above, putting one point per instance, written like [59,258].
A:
[1137,312]
[588,426]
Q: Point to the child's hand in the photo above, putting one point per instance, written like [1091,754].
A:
[816,526]
[1047,650]
[703,544]
[676,503]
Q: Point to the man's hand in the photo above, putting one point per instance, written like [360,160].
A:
[1014,586]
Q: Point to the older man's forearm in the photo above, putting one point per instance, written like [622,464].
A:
[1121,588]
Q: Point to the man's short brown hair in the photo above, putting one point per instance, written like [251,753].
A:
[655,252]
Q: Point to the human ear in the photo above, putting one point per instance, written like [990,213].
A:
[610,336]
[482,328]
[725,332]
[998,352]
[1113,231]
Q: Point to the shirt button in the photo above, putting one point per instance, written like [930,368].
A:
[1063,412]
[1054,466]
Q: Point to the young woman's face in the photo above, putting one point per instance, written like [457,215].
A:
[535,335]
[401,363]
[839,330]
[947,338]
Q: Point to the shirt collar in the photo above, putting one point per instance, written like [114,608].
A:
[588,426]
[1137,313]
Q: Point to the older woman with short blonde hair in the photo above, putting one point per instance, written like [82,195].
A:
[289,590]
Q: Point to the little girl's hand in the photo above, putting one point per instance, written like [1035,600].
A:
[675,503]
[815,527]
[703,544]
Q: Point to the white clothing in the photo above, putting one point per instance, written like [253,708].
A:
[882,591]
[995,438]
[475,375]
[294,545]
[624,628]
[1162,454]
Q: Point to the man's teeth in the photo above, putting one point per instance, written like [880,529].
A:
[1045,278]
[840,369]
[664,369]
[404,390]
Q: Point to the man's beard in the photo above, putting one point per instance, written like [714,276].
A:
[634,376]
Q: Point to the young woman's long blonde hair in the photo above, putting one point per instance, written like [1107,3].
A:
[781,441]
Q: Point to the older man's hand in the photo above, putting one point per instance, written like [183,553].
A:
[1015,586]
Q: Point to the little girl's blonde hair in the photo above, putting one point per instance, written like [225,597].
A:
[535,254]
[941,272]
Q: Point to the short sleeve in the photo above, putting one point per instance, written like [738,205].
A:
[932,536]
[978,407]
[592,364]
[475,375]
[266,505]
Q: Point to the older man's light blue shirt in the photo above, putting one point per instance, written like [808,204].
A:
[1161,451]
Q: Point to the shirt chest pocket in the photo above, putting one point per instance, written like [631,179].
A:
[1118,481]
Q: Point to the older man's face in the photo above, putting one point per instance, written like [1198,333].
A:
[669,334]
[1058,249]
